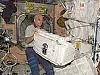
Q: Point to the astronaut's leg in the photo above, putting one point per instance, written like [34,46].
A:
[32,61]
[47,66]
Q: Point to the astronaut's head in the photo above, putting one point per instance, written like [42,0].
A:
[38,19]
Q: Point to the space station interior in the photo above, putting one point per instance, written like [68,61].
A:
[68,39]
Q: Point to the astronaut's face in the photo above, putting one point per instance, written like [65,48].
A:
[38,19]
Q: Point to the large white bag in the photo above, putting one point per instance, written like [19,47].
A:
[81,66]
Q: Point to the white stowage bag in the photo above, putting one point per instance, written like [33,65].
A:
[81,66]
[86,12]
[58,50]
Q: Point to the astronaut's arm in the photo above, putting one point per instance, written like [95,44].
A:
[29,39]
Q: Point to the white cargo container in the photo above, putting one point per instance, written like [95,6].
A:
[54,48]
